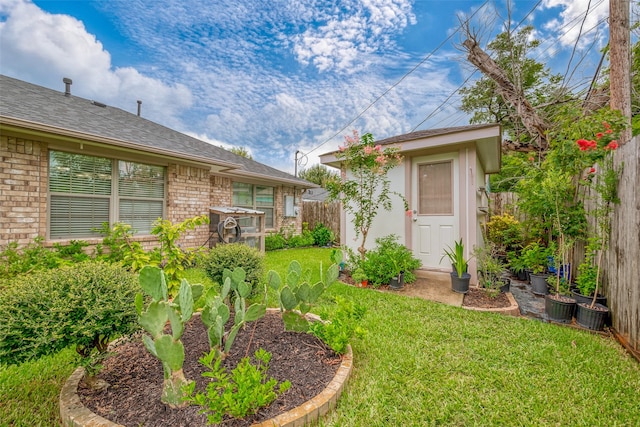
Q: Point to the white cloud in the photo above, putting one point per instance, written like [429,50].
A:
[46,47]
[577,19]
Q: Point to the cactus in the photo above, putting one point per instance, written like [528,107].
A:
[166,347]
[216,313]
[298,293]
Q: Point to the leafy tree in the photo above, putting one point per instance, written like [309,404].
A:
[542,89]
[319,174]
[365,187]
[241,151]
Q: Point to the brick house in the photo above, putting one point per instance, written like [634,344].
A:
[68,164]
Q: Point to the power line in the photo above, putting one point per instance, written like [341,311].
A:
[429,55]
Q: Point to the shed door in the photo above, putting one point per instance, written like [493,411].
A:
[435,196]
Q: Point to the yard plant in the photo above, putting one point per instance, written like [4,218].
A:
[422,363]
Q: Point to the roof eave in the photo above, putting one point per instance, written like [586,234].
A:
[39,129]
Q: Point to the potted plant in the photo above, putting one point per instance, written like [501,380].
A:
[591,309]
[559,307]
[459,276]
[359,277]
[536,258]
[490,269]
[517,265]
[390,262]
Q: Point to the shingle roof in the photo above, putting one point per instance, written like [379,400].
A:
[431,132]
[39,105]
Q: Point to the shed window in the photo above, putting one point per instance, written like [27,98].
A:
[435,188]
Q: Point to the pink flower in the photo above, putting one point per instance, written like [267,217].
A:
[368,149]
[608,131]
[531,159]
[378,147]
[409,213]
[606,125]
[341,148]
[381,159]
[612,145]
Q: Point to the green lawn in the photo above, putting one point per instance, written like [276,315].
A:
[425,363]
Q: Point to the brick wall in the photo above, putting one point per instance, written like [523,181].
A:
[280,220]
[23,166]
[188,195]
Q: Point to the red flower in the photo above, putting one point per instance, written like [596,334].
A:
[612,145]
[531,159]
[608,131]
[599,135]
[586,145]
[592,170]
[606,125]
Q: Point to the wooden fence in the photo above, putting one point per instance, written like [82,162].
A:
[314,212]
[620,263]
[622,284]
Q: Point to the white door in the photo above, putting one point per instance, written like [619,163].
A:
[435,199]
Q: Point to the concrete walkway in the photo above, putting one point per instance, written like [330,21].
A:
[434,286]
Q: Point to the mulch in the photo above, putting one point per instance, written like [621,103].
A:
[480,298]
[135,376]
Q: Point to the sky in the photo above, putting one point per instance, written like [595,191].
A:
[283,76]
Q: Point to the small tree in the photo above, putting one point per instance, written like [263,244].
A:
[366,188]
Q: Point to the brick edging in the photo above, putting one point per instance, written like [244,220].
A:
[512,310]
[74,414]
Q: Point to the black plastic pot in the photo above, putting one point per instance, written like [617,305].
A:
[575,293]
[506,287]
[539,284]
[591,318]
[397,282]
[460,284]
[559,308]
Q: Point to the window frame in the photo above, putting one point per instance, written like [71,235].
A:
[257,206]
[113,198]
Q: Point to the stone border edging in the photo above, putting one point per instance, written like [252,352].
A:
[74,414]
[512,310]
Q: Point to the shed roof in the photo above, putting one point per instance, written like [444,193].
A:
[487,138]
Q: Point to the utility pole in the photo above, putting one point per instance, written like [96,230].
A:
[296,162]
[620,57]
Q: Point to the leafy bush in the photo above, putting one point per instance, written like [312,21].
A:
[505,232]
[338,329]
[387,260]
[322,236]
[301,240]
[273,241]
[34,256]
[242,393]
[232,255]
[82,305]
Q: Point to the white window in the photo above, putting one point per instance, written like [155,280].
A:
[255,197]
[86,191]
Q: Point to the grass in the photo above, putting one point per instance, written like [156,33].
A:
[423,363]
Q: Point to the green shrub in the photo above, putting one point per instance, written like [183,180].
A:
[301,240]
[387,260]
[34,256]
[232,255]
[273,241]
[337,329]
[322,236]
[82,305]
[239,393]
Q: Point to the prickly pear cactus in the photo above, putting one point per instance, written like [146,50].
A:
[297,296]
[166,347]
[216,313]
